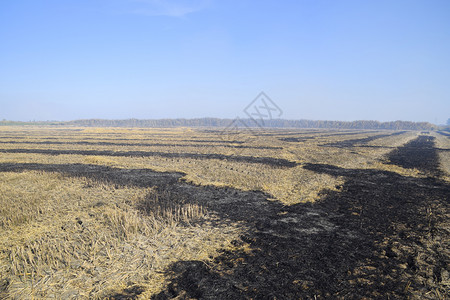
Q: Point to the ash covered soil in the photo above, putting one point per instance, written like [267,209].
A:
[381,236]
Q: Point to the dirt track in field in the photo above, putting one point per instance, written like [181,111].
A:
[382,236]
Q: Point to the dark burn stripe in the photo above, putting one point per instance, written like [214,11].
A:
[274,162]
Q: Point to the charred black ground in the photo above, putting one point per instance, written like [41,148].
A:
[382,236]
[419,153]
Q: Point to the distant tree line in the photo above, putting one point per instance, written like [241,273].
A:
[216,122]
[31,123]
[274,123]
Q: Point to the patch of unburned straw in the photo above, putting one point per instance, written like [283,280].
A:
[384,166]
[70,237]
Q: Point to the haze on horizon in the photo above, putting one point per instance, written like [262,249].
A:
[150,59]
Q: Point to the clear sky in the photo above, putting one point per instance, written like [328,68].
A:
[317,59]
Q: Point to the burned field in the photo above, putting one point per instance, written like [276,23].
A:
[184,213]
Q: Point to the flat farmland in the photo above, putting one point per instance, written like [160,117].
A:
[125,213]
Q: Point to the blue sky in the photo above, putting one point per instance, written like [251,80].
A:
[317,59]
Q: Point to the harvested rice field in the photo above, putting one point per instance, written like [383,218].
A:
[189,213]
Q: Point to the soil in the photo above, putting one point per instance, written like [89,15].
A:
[380,236]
